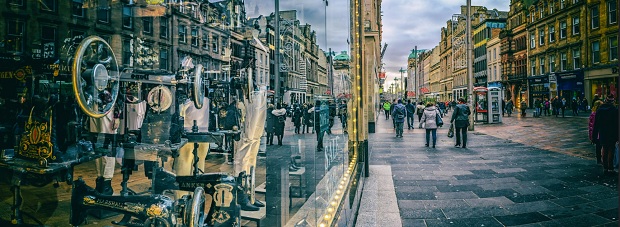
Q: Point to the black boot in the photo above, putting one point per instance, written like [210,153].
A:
[243,198]
[103,186]
[258,203]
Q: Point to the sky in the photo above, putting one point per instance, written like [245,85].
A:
[406,23]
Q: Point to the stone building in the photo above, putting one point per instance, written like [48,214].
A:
[556,48]
[601,61]
[513,53]
[489,24]
[445,55]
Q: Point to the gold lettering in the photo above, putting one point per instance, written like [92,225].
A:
[6,75]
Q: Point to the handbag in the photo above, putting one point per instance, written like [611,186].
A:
[35,142]
[451,131]
[438,119]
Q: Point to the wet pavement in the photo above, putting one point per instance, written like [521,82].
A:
[524,172]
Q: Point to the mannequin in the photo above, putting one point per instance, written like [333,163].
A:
[184,163]
[107,125]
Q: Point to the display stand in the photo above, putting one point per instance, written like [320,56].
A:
[27,172]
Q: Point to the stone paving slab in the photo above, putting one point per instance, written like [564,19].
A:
[501,179]
[378,206]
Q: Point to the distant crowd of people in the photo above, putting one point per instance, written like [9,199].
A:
[430,116]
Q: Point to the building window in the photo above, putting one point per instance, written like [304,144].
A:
[551,8]
[15,36]
[532,40]
[214,44]
[533,65]
[205,40]
[103,11]
[224,45]
[77,8]
[48,41]
[126,52]
[562,29]
[612,16]
[163,27]
[182,34]
[541,36]
[575,25]
[563,61]
[613,48]
[49,5]
[575,1]
[542,65]
[127,17]
[195,36]
[562,4]
[542,12]
[576,59]
[163,59]
[596,52]
[594,15]
[147,25]
[551,33]
[552,63]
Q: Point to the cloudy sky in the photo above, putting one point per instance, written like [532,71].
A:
[406,23]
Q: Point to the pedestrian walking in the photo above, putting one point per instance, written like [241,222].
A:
[556,103]
[574,106]
[546,106]
[523,108]
[308,119]
[605,132]
[503,107]
[509,107]
[280,114]
[538,106]
[563,105]
[410,112]
[594,141]
[392,110]
[297,116]
[460,117]
[442,108]
[386,108]
[431,113]
[399,112]
[420,110]
[270,125]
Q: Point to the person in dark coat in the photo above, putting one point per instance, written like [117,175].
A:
[410,112]
[399,113]
[270,125]
[575,106]
[308,119]
[280,114]
[297,116]
[605,132]
[460,117]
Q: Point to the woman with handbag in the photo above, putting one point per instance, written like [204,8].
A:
[432,120]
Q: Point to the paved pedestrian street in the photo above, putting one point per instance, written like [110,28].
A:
[524,172]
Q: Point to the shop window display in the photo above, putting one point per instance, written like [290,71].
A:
[188,141]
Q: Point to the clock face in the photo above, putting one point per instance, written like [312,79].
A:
[160,98]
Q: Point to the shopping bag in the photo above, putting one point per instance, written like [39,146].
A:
[451,131]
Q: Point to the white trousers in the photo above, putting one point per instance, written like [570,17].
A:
[105,167]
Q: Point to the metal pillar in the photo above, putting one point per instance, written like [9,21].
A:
[276,64]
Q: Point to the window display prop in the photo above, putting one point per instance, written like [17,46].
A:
[49,141]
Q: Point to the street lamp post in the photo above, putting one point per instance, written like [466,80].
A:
[470,79]
[401,80]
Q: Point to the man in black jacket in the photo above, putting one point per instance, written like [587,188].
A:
[606,130]
[460,117]
[410,112]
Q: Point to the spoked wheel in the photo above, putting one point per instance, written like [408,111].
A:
[195,216]
[95,77]
[198,88]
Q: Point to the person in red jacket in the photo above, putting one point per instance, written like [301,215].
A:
[591,128]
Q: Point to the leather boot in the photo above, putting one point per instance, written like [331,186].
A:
[258,203]
[103,186]
[242,197]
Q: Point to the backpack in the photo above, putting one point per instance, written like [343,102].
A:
[400,112]
[420,110]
